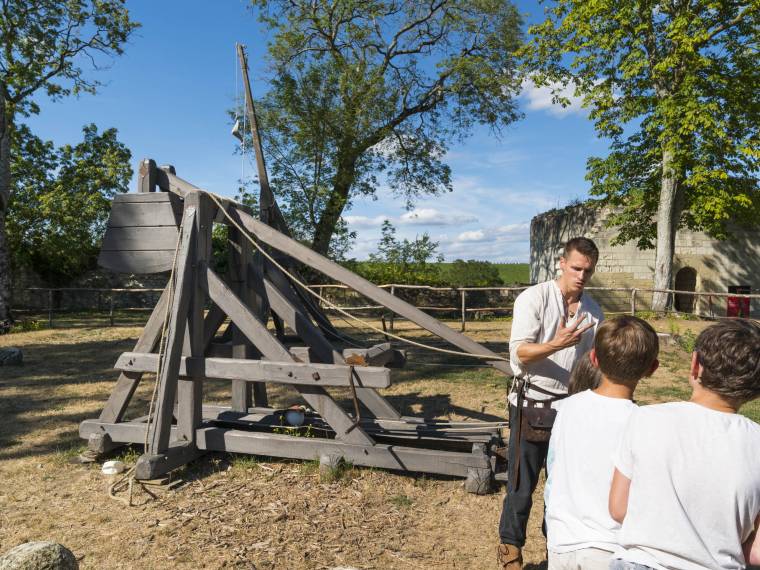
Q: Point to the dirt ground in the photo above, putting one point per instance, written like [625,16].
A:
[235,511]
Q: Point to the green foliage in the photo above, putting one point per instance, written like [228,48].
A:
[686,341]
[674,86]
[61,200]
[362,88]
[27,325]
[404,262]
[472,273]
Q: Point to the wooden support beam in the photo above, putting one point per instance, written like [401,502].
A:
[146,177]
[378,455]
[183,291]
[190,393]
[244,394]
[345,428]
[155,465]
[246,370]
[311,258]
[214,319]
[288,306]
[127,383]
[121,432]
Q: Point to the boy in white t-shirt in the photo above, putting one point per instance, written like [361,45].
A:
[687,474]
[581,535]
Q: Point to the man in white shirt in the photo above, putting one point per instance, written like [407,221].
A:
[581,534]
[686,485]
[553,325]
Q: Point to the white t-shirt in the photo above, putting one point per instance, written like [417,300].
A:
[537,314]
[585,436]
[695,486]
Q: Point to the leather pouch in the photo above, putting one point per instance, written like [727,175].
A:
[537,423]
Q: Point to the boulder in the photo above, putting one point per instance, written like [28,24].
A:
[11,356]
[39,556]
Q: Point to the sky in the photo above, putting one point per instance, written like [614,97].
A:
[169,96]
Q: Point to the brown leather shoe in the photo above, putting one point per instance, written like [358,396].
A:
[509,557]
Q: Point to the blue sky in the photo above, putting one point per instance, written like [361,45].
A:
[168,96]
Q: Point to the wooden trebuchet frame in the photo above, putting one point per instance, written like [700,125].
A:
[185,342]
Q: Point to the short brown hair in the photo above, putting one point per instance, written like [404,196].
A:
[729,353]
[626,347]
[582,245]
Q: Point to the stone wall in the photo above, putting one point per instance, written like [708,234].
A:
[718,264]
[25,280]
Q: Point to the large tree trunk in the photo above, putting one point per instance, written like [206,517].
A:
[342,183]
[668,215]
[5,193]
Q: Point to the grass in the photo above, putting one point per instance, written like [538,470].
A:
[512,273]
[401,501]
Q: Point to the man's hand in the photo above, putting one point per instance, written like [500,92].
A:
[530,352]
[568,336]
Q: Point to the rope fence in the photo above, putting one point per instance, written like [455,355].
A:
[462,303]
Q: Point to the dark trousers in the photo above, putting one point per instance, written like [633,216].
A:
[519,500]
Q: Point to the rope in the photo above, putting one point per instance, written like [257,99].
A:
[337,308]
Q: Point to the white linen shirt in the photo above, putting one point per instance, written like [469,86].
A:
[537,315]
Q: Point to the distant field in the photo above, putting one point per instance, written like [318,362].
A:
[514,272]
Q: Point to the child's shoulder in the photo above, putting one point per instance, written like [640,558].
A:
[590,400]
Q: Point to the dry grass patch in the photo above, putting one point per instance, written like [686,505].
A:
[238,511]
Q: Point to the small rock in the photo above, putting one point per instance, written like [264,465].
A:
[11,356]
[39,556]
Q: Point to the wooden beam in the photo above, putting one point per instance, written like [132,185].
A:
[240,254]
[214,319]
[311,258]
[190,394]
[378,455]
[127,383]
[153,466]
[164,210]
[134,238]
[146,177]
[345,428]
[246,370]
[167,383]
[287,304]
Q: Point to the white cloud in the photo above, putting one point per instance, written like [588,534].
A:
[540,98]
[477,235]
[365,221]
[434,217]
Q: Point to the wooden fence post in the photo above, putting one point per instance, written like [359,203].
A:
[50,308]
[633,302]
[110,308]
[464,309]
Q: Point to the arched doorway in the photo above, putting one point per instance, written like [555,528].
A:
[686,280]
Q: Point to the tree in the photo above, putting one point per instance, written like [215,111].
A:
[42,46]
[404,261]
[362,88]
[61,200]
[473,273]
[675,85]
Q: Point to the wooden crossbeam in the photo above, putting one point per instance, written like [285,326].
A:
[345,428]
[247,370]
[311,258]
